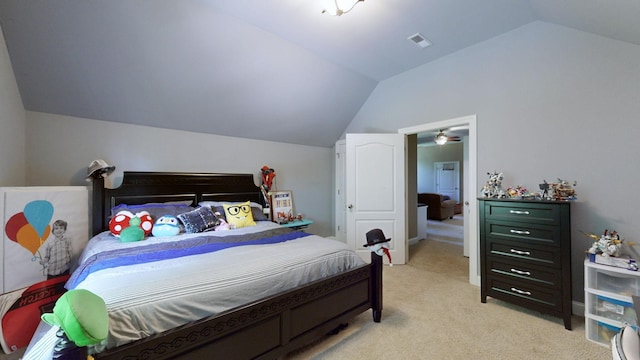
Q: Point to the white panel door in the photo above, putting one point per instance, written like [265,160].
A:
[340,199]
[376,191]
[448,179]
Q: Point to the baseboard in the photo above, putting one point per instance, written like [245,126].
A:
[577,308]
[414,240]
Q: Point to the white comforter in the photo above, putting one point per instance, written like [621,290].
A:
[153,297]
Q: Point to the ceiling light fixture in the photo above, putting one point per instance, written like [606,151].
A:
[338,11]
[441,138]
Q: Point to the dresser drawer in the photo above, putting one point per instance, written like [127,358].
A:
[532,213]
[549,257]
[519,271]
[524,233]
[518,291]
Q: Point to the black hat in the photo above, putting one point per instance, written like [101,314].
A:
[375,236]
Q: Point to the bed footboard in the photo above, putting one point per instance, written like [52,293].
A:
[268,328]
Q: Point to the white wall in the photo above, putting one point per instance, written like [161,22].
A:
[550,102]
[428,155]
[59,149]
[12,124]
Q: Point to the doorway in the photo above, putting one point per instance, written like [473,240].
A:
[470,184]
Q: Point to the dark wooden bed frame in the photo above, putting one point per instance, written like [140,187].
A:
[265,329]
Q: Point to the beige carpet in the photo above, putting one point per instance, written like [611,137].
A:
[432,312]
[448,230]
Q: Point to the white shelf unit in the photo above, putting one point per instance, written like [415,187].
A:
[607,300]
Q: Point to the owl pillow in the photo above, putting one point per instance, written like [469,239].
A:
[239,215]
[166,225]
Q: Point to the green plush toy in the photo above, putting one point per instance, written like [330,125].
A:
[134,232]
[82,315]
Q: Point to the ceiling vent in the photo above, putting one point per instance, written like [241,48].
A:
[419,40]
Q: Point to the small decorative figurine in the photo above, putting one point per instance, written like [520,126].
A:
[609,244]
[564,191]
[493,187]
[544,190]
[517,192]
[377,243]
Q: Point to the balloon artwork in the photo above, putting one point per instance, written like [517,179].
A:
[30,228]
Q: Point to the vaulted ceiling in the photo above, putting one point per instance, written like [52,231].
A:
[276,70]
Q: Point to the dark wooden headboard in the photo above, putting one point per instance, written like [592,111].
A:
[147,187]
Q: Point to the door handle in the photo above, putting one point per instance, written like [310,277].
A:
[350,206]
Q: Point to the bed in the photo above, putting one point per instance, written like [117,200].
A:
[272,322]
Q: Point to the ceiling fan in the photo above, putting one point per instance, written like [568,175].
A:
[441,138]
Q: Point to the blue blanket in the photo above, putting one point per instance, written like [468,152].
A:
[171,250]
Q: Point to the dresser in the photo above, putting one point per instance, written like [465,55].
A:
[525,254]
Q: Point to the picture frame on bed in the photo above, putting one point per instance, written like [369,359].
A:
[282,206]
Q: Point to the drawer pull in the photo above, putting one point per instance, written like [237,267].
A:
[520,232]
[520,252]
[520,272]
[521,292]
[518,212]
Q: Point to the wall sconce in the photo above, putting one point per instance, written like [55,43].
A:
[338,11]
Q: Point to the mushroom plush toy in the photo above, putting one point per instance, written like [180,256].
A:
[123,220]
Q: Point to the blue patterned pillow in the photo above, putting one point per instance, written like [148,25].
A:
[199,220]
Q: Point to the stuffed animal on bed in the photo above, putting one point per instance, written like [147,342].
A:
[166,225]
[223,223]
[140,225]
[134,232]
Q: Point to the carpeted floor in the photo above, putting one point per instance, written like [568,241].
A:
[448,230]
[432,312]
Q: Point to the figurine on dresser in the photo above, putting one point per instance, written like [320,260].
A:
[493,186]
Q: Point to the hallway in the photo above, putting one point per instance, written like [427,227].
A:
[449,230]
